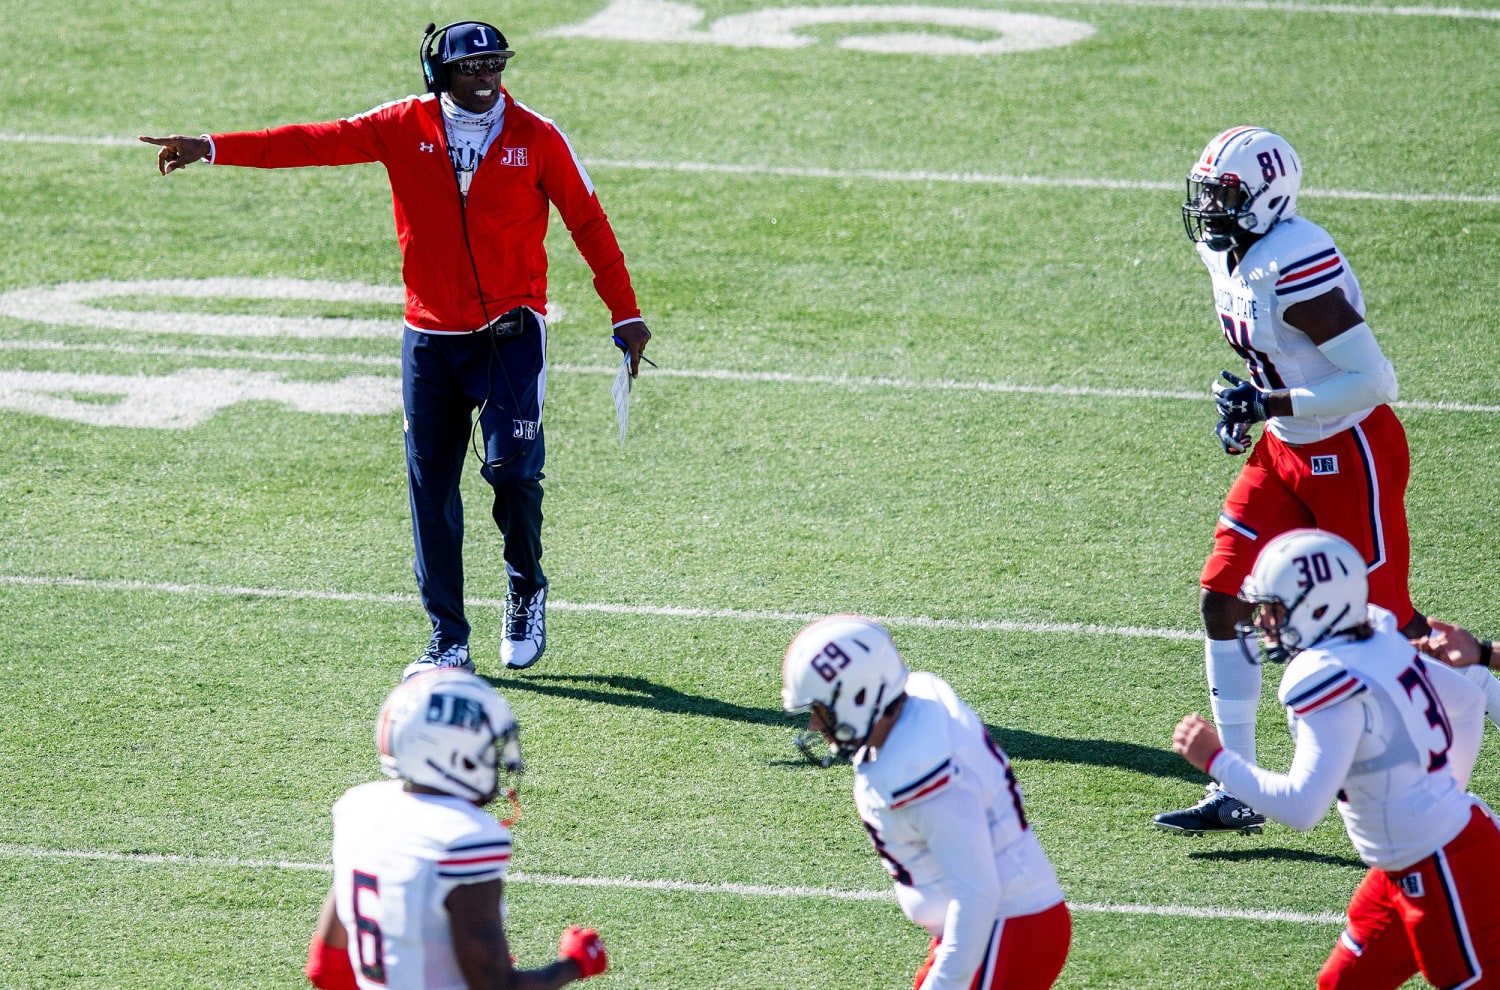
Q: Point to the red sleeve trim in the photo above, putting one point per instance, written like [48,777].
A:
[1217,753]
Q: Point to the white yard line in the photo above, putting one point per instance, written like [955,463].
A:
[749,615]
[893,175]
[1289,7]
[634,883]
[705,374]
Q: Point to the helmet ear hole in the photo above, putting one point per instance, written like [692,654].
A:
[1320,611]
[859,698]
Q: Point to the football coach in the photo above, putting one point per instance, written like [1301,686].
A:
[472,173]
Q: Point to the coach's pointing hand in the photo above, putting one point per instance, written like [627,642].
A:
[178,151]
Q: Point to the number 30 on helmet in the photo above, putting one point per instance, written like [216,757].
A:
[1308,586]
[1244,182]
[845,670]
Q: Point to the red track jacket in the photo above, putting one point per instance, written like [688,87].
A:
[529,165]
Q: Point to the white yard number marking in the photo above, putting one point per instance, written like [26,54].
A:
[69,305]
[185,398]
[668,21]
[188,397]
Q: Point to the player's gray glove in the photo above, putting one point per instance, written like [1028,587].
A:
[1235,437]
[1239,401]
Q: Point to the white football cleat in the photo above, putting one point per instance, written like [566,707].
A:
[525,629]
[440,656]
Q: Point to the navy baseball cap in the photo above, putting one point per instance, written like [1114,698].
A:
[469,39]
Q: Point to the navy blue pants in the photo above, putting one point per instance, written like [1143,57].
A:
[445,378]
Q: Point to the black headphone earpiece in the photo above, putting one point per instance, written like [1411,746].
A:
[434,73]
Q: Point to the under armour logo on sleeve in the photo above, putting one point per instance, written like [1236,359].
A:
[426,146]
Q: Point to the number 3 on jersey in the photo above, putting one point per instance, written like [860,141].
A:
[1414,679]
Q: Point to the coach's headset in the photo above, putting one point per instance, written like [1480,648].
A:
[438,49]
[486,39]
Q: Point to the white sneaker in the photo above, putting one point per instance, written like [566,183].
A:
[525,629]
[438,656]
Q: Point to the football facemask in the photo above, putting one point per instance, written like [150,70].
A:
[845,671]
[1308,586]
[1244,182]
[450,731]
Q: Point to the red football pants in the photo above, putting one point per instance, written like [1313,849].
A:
[1439,916]
[1025,953]
[1352,484]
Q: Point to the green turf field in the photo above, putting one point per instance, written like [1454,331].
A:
[933,347]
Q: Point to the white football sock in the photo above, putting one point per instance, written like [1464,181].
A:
[1234,694]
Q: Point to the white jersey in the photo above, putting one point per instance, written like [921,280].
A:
[1295,262]
[396,857]
[942,806]
[1392,735]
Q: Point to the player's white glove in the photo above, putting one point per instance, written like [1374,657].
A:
[1234,437]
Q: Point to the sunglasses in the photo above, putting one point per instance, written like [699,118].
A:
[478,66]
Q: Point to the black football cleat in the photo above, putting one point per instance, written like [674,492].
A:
[1217,812]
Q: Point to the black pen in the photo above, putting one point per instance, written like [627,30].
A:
[621,345]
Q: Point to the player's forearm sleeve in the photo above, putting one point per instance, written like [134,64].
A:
[958,834]
[1465,698]
[1484,678]
[1366,377]
[1326,740]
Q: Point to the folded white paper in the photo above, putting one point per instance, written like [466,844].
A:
[621,391]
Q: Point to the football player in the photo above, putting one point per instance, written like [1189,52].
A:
[941,805]
[1332,454]
[418,865]
[1393,739]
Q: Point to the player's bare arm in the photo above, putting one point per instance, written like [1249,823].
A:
[178,151]
[328,966]
[1454,645]
[330,930]
[483,955]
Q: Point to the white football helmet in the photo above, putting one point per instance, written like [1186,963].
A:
[1244,182]
[449,730]
[1310,585]
[847,666]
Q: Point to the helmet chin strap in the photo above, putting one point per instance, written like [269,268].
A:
[478,796]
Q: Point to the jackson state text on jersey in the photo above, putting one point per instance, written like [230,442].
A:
[1295,262]
[396,857]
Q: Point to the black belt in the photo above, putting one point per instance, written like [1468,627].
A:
[510,324]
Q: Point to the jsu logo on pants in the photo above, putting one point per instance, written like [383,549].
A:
[1325,464]
[523,429]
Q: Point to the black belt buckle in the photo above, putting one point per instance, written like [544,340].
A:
[511,324]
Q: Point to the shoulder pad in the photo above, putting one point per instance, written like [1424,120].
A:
[483,853]
[924,785]
[1316,679]
[918,760]
[1304,258]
